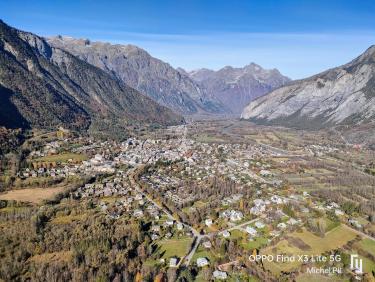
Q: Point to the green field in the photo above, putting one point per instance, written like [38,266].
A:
[175,247]
[333,239]
[306,243]
[330,225]
[368,245]
[245,242]
[256,244]
[368,265]
[237,234]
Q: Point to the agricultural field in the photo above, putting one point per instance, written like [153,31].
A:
[62,158]
[368,265]
[32,195]
[368,246]
[257,243]
[306,243]
[175,247]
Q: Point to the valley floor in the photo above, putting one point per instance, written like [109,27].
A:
[195,201]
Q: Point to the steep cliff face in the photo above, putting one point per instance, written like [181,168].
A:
[44,86]
[236,87]
[342,95]
[151,76]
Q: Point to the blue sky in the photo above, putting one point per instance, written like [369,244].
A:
[299,37]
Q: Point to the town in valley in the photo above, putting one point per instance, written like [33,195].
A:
[204,197]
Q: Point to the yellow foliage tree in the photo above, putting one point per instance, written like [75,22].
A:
[138,277]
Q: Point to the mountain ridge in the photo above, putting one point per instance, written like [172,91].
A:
[237,86]
[49,87]
[149,75]
[337,96]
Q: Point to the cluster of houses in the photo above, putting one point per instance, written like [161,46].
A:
[232,215]
[330,207]
[135,152]
[320,150]
[202,162]
[177,197]
[98,164]
[231,199]
[116,187]
[50,148]
[168,229]
[61,172]
[260,205]
[134,205]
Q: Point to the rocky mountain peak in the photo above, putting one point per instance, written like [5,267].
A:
[341,95]
[236,87]
[151,76]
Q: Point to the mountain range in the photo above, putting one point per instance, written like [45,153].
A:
[343,95]
[205,91]
[104,88]
[138,69]
[44,86]
[236,87]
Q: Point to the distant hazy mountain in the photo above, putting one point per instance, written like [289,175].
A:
[44,86]
[342,95]
[236,87]
[149,75]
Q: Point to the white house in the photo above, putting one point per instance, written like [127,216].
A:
[292,221]
[220,275]
[281,225]
[259,224]
[225,234]
[179,226]
[276,199]
[265,173]
[236,215]
[201,262]
[207,244]
[138,213]
[258,202]
[339,212]
[169,222]
[173,262]
[250,230]
[208,221]
[305,210]
[257,209]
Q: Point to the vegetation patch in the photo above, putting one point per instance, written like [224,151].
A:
[62,158]
[368,245]
[66,219]
[63,256]
[175,247]
[334,239]
[257,243]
